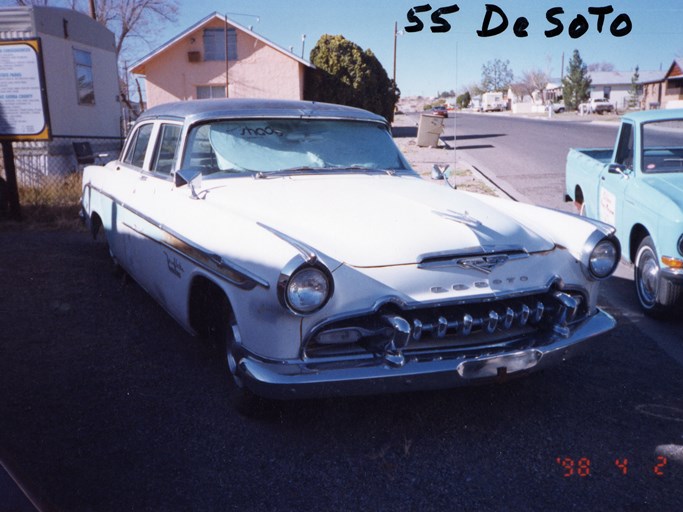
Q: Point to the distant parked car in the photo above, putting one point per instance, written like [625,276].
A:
[440,111]
[600,106]
[297,236]
[558,108]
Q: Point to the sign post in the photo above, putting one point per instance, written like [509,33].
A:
[24,115]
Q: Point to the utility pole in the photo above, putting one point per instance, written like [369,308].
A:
[395,37]
[227,83]
[93,12]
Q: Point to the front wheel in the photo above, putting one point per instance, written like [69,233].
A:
[655,296]
[226,335]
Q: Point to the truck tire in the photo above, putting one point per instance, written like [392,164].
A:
[655,296]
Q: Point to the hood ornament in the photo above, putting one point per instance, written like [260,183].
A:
[484,264]
[464,218]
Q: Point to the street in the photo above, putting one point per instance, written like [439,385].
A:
[108,405]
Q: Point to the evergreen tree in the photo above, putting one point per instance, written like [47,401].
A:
[464,99]
[348,75]
[576,85]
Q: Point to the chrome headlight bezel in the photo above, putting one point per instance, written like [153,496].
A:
[302,274]
[680,245]
[601,255]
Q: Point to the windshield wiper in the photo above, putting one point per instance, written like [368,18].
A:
[341,169]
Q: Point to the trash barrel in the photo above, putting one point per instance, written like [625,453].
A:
[429,130]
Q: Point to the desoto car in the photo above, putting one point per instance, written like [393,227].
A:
[298,235]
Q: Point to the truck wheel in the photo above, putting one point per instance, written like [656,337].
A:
[648,281]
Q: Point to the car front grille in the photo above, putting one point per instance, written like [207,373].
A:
[448,328]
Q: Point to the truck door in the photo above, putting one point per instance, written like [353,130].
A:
[616,178]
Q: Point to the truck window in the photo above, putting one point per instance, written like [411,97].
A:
[625,146]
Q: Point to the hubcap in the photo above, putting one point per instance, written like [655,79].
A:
[647,278]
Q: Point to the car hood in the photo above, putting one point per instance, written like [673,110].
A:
[373,220]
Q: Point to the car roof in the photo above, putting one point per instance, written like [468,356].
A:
[199,110]
[655,115]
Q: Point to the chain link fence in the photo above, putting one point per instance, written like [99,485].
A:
[49,173]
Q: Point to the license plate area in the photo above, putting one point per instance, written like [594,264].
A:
[495,366]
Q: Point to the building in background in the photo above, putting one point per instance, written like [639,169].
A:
[193,65]
[665,91]
[81,86]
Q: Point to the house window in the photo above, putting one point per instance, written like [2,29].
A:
[84,81]
[214,44]
[205,92]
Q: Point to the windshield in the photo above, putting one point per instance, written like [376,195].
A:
[291,145]
[663,146]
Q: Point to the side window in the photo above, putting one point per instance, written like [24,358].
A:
[625,146]
[138,147]
[167,148]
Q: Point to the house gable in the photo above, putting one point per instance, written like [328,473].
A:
[192,65]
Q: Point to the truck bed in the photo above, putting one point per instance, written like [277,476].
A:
[602,155]
[584,165]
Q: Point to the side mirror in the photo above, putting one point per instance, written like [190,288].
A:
[442,174]
[191,177]
[619,169]
[437,173]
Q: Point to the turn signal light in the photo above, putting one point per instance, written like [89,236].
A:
[672,262]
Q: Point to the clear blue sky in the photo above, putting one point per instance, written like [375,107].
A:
[428,62]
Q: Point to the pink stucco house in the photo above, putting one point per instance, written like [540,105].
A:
[192,65]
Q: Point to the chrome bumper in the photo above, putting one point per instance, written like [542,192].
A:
[298,379]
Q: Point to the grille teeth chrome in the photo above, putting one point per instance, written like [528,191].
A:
[441,327]
[451,326]
[492,322]
[509,318]
[524,315]
[467,322]
[417,329]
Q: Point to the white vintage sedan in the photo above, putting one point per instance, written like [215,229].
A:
[297,234]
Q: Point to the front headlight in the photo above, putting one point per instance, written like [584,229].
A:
[307,290]
[604,258]
[680,245]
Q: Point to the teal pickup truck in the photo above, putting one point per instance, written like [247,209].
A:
[638,188]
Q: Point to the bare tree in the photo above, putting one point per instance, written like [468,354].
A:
[496,75]
[535,80]
[601,66]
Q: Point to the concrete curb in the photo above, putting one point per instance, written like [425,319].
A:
[468,175]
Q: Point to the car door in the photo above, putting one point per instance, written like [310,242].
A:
[153,261]
[616,179]
[121,187]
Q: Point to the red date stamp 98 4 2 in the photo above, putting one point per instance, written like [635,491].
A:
[581,467]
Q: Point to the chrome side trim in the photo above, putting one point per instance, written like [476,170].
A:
[307,252]
[209,261]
